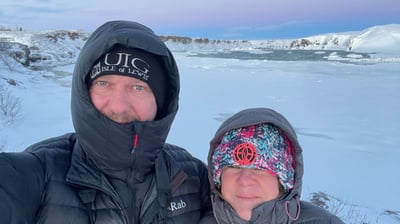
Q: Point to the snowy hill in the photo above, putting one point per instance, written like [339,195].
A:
[50,48]
[380,39]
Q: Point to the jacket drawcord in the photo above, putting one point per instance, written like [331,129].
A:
[163,186]
[87,197]
[89,210]
[298,209]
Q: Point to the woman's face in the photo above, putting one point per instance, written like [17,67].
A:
[245,189]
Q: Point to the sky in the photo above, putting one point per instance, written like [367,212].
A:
[345,115]
[221,19]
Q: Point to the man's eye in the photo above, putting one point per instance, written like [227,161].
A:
[138,87]
[101,83]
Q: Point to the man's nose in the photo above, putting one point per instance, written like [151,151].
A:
[119,101]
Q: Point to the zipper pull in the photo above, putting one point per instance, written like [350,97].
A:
[135,141]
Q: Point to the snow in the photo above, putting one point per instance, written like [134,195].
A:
[345,110]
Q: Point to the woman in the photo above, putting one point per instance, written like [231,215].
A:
[255,170]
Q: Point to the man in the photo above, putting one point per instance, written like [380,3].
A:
[255,170]
[116,167]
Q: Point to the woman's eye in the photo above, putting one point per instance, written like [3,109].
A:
[259,171]
[234,168]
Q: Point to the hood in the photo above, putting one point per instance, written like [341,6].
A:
[109,145]
[273,211]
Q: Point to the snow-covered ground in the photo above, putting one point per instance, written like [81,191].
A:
[345,109]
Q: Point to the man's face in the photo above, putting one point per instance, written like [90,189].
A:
[245,189]
[123,99]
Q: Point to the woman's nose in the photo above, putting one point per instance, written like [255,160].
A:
[246,175]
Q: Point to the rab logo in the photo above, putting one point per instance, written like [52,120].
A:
[173,206]
[245,154]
